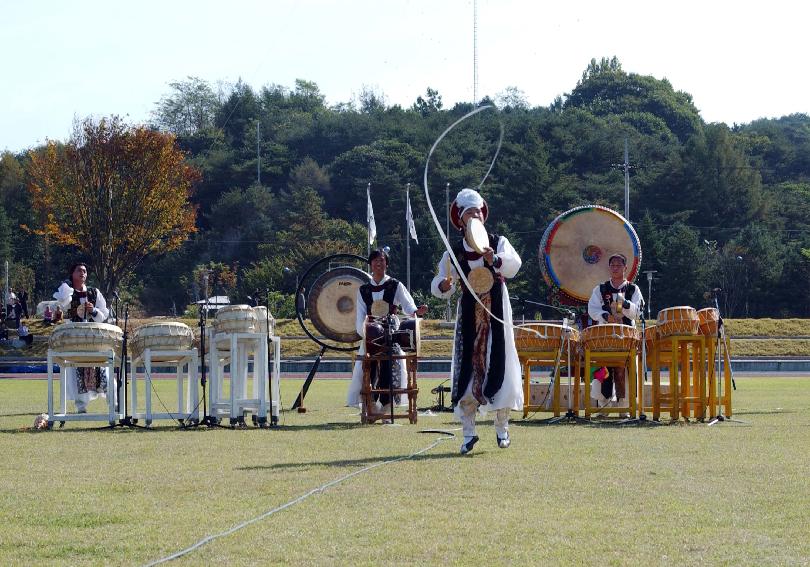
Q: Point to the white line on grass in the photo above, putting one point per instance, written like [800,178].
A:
[320,489]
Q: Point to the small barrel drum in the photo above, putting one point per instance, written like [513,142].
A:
[708,321]
[264,321]
[677,321]
[236,319]
[375,337]
[162,336]
[541,337]
[409,335]
[86,337]
[611,337]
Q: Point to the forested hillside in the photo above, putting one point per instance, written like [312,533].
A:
[283,180]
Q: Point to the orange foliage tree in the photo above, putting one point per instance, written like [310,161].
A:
[118,193]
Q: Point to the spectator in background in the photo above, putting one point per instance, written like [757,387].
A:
[24,335]
[57,316]
[47,315]
[24,303]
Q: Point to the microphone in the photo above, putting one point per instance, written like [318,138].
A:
[116,296]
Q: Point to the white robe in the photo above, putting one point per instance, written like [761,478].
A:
[63,296]
[402,298]
[511,393]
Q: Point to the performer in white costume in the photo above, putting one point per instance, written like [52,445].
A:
[82,303]
[386,293]
[485,369]
[615,301]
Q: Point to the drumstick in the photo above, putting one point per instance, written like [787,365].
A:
[447,268]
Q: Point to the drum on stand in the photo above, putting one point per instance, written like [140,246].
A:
[674,321]
[611,337]
[166,336]
[409,335]
[542,337]
[577,245]
[86,337]
[709,321]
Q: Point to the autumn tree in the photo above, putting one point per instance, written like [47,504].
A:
[117,193]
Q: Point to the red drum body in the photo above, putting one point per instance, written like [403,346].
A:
[677,321]
[611,337]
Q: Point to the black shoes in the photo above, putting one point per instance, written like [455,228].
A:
[467,446]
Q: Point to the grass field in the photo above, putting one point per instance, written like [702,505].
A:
[731,494]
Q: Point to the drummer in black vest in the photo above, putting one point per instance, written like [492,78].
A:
[380,298]
[486,371]
[83,303]
[616,301]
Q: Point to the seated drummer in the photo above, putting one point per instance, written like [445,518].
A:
[82,304]
[615,301]
[380,298]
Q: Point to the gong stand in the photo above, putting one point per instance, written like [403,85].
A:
[301,307]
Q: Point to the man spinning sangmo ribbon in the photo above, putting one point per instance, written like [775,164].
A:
[485,370]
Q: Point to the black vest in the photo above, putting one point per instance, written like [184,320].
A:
[91,294]
[389,289]
[606,290]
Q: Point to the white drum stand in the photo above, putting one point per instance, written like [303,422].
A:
[82,359]
[241,347]
[178,359]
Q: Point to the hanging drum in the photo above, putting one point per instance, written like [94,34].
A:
[331,303]
[576,246]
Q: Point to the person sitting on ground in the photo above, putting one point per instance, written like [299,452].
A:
[24,335]
[57,316]
[47,315]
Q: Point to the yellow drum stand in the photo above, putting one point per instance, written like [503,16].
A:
[685,357]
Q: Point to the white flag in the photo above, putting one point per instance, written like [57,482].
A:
[372,227]
[409,220]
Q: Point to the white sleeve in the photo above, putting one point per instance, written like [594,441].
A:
[101,308]
[63,296]
[634,310]
[360,315]
[595,310]
[404,298]
[510,260]
[444,265]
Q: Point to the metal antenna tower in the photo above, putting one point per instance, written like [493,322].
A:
[475,52]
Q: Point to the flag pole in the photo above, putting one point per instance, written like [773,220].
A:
[408,235]
[368,219]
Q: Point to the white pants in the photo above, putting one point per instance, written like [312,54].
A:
[468,407]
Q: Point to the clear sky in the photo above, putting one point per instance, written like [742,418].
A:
[739,60]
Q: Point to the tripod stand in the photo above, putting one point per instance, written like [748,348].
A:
[719,355]
[123,376]
[207,420]
[642,417]
[570,416]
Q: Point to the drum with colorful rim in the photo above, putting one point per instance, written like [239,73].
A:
[576,246]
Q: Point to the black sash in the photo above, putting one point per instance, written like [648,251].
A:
[389,289]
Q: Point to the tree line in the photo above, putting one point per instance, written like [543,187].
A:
[243,183]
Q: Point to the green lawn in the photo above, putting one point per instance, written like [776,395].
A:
[685,494]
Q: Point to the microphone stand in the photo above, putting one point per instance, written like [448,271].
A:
[123,377]
[570,415]
[642,417]
[721,332]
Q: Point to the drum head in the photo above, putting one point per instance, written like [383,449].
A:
[331,303]
[576,246]
[476,235]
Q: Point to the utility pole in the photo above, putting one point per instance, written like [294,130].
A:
[258,153]
[625,167]
[475,52]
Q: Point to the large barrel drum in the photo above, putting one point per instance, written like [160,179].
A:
[86,337]
[162,336]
